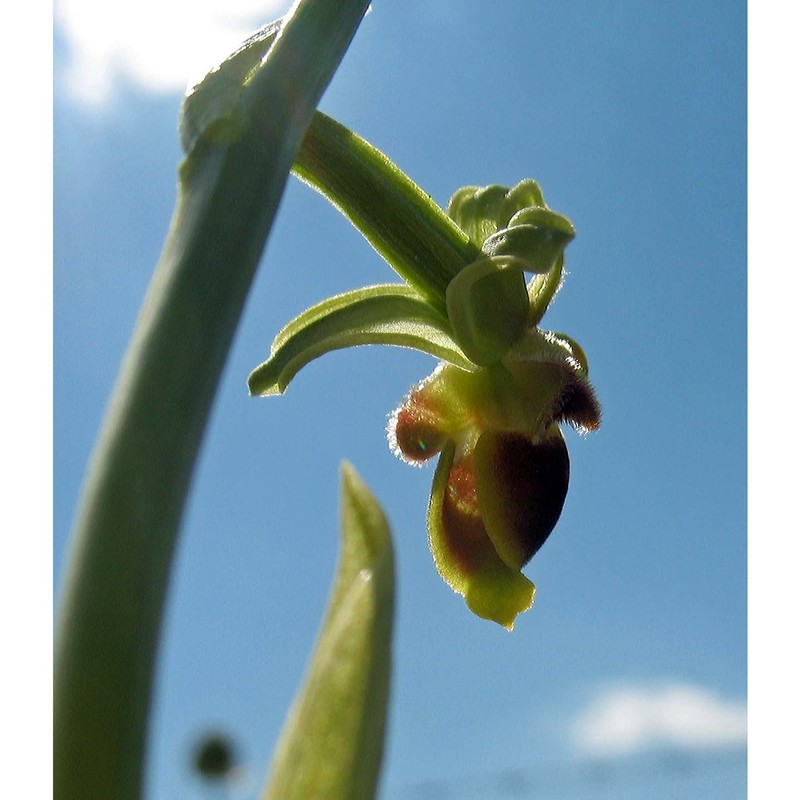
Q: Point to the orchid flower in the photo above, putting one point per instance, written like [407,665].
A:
[492,408]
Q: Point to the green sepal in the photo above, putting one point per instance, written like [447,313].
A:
[487,305]
[464,554]
[401,221]
[389,314]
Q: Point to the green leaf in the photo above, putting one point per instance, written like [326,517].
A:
[387,314]
[332,742]
[211,107]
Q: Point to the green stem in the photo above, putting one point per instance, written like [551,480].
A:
[115,579]
[418,240]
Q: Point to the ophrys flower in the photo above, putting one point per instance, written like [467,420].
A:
[493,408]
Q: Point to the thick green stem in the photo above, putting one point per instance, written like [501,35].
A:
[115,580]
[419,241]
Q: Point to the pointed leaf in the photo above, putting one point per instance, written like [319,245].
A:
[389,314]
[210,107]
[332,744]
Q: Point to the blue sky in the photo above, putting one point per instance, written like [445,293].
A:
[632,116]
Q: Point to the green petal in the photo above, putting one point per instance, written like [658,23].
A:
[462,550]
[487,304]
[390,314]
[521,488]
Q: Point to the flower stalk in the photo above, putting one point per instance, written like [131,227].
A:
[114,583]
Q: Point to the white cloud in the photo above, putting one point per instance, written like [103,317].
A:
[159,45]
[625,719]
